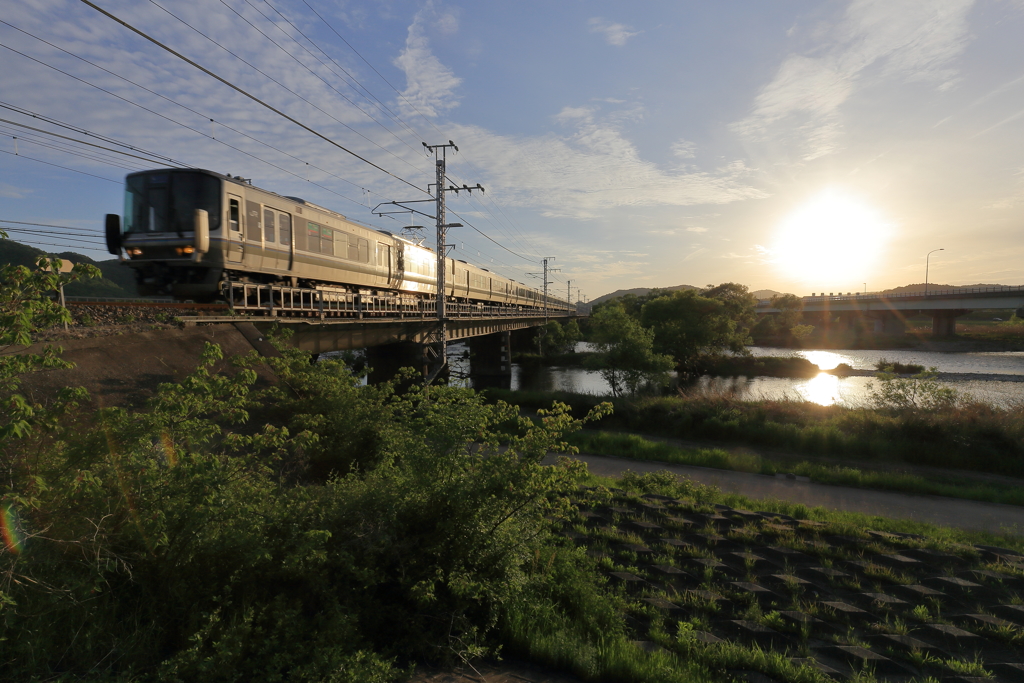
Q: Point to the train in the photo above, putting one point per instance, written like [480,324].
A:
[188,232]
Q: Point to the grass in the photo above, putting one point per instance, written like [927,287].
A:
[971,436]
[637,447]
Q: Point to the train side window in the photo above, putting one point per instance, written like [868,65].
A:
[233,215]
[312,237]
[364,250]
[326,241]
[353,248]
[380,254]
[268,226]
[284,229]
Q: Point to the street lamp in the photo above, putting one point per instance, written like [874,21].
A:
[927,256]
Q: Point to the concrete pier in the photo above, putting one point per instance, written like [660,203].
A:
[490,361]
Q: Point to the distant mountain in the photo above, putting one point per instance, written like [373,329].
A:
[766,293]
[637,291]
[117,280]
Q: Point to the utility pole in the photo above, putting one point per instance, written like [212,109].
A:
[439,337]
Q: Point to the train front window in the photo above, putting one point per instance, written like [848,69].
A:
[166,201]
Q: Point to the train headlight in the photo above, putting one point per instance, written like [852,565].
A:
[189,249]
[134,252]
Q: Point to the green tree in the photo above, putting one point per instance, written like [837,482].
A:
[625,357]
[688,324]
[555,339]
[27,305]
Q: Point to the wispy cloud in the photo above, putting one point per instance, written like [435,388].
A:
[12,192]
[915,40]
[593,168]
[615,34]
[430,85]
[696,229]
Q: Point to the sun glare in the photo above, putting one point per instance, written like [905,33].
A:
[831,242]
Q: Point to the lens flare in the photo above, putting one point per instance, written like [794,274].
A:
[10,529]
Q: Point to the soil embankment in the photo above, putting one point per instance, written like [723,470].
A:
[125,369]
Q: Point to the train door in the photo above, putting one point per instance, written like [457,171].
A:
[253,237]
[286,244]
[233,234]
[399,273]
[385,272]
[271,249]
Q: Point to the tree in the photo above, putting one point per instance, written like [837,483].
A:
[26,307]
[555,339]
[626,357]
[689,324]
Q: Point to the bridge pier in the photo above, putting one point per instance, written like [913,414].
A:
[887,322]
[944,322]
[490,361]
[386,360]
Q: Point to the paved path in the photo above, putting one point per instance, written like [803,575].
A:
[951,512]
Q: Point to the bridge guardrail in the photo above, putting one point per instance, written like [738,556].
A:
[766,303]
[274,300]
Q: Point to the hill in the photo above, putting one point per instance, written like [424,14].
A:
[117,280]
[636,291]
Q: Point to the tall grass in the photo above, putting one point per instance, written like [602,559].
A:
[970,436]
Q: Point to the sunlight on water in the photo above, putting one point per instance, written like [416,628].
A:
[823,389]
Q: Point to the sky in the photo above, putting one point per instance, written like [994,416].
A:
[790,145]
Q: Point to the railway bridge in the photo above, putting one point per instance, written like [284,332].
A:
[887,313]
[395,332]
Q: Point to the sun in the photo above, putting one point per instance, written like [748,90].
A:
[833,242]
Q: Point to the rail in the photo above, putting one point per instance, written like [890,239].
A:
[324,303]
[861,296]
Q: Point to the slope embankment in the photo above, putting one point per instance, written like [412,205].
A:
[125,369]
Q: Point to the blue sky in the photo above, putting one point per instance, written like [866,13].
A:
[792,145]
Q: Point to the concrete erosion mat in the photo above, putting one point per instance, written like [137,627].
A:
[951,512]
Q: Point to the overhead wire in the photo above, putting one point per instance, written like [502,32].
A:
[81,142]
[22,156]
[43,225]
[324,81]
[247,94]
[28,138]
[176,103]
[397,91]
[186,126]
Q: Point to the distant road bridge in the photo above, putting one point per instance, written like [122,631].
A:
[887,313]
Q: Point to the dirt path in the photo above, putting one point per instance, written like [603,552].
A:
[951,512]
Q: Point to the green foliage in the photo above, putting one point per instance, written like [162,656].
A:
[625,357]
[193,542]
[886,365]
[26,306]
[555,339]
[921,391]
[688,324]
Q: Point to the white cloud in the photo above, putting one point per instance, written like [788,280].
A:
[430,85]
[684,149]
[696,229]
[591,169]
[615,34]
[916,40]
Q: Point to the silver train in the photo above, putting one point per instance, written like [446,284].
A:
[188,232]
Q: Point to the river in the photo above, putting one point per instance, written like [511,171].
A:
[977,374]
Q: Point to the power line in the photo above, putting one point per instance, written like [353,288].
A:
[42,225]
[409,103]
[245,93]
[23,137]
[172,101]
[322,63]
[22,156]
[188,127]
